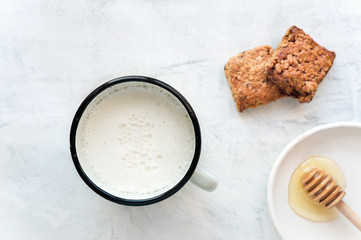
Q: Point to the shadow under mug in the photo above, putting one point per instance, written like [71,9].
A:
[196,175]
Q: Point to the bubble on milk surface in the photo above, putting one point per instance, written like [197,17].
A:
[140,153]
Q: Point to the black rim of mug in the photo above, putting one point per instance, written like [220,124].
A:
[124,201]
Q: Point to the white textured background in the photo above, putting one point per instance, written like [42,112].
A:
[53,53]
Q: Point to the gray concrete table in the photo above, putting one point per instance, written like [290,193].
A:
[53,53]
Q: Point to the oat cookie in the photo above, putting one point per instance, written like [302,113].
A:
[246,76]
[299,64]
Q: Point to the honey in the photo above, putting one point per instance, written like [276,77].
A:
[302,204]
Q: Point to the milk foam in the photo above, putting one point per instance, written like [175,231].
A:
[135,140]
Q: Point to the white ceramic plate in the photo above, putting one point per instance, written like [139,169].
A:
[338,141]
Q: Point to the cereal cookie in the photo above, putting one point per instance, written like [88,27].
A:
[299,64]
[246,76]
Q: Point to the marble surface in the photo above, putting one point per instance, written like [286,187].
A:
[53,53]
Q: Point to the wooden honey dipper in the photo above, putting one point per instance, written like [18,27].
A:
[322,188]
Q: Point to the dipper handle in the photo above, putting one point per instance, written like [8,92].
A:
[349,214]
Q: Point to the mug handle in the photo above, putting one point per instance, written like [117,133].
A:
[204,179]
